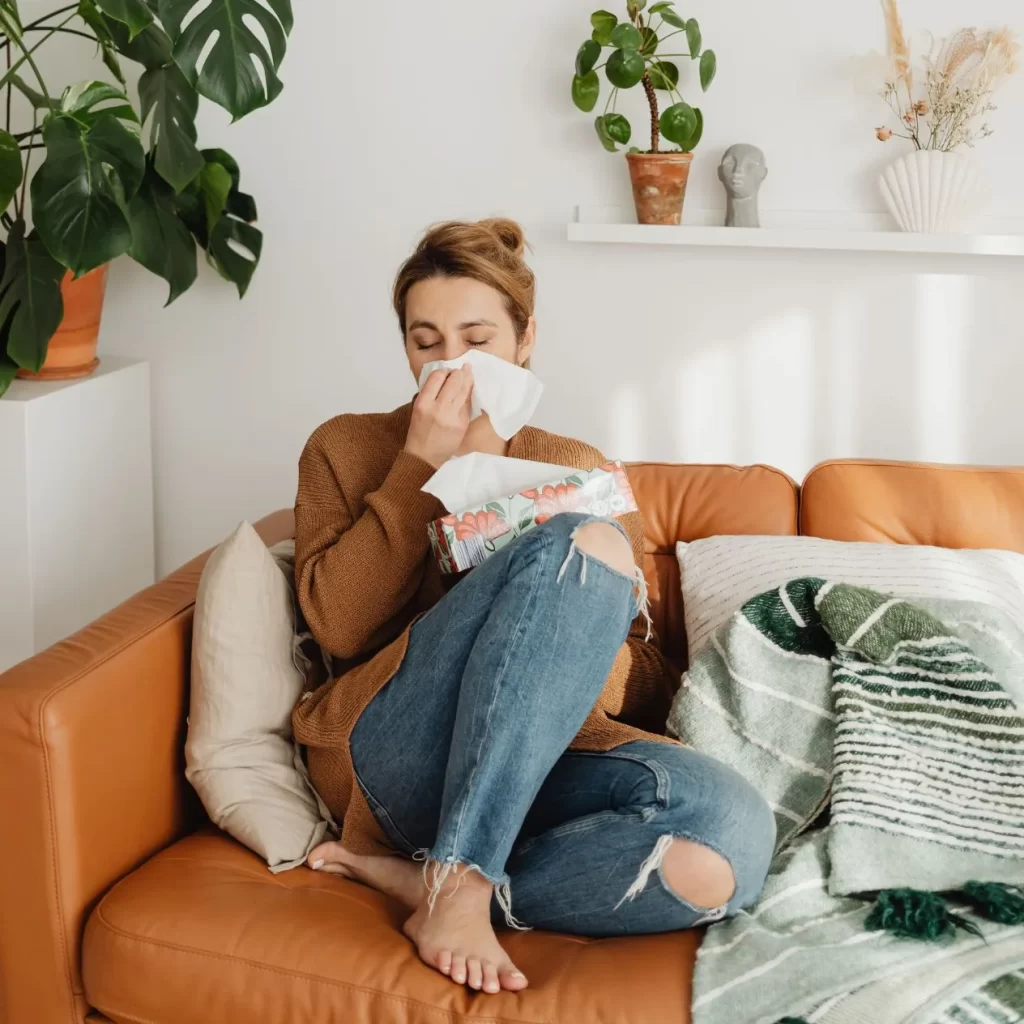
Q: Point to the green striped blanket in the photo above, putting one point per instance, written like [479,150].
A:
[892,715]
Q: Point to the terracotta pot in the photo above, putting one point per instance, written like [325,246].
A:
[659,185]
[72,350]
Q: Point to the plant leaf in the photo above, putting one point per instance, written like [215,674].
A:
[8,369]
[587,57]
[80,192]
[166,94]
[670,17]
[215,187]
[10,168]
[678,123]
[230,74]
[660,7]
[227,161]
[36,98]
[664,75]
[133,13]
[586,90]
[708,68]
[152,47]
[31,305]
[691,143]
[618,128]
[625,68]
[627,38]
[90,14]
[693,37]
[10,20]
[606,140]
[603,23]
[160,240]
[634,7]
[80,101]
[650,41]
[234,251]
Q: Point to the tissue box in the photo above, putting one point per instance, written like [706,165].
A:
[465,539]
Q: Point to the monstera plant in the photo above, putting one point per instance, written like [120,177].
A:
[108,175]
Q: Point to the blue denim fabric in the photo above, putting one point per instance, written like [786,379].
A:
[463,753]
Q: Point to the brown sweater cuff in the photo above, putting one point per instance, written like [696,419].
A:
[402,492]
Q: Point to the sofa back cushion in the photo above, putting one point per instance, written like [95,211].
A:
[911,503]
[685,503]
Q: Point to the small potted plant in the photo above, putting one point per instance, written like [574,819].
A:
[102,187]
[637,58]
[941,106]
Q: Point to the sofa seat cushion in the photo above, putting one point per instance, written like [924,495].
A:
[204,932]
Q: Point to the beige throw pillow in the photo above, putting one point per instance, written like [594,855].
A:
[240,754]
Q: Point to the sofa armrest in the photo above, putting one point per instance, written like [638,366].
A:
[91,782]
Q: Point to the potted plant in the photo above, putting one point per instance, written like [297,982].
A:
[941,108]
[103,187]
[659,176]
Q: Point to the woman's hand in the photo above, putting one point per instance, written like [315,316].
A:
[440,416]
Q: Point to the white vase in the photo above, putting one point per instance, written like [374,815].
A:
[932,192]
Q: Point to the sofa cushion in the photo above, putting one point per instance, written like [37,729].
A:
[912,503]
[204,932]
[684,503]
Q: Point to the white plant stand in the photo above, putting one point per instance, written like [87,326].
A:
[76,503]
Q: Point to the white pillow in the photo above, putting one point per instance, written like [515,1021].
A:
[720,574]
[240,754]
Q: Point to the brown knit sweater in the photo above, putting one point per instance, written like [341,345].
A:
[364,572]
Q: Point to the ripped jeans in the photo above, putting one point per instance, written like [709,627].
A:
[463,755]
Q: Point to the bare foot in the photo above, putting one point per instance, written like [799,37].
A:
[394,876]
[456,937]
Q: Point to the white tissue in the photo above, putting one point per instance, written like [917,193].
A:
[471,480]
[507,393]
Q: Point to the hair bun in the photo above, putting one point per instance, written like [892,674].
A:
[509,233]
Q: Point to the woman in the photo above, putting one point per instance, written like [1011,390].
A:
[493,747]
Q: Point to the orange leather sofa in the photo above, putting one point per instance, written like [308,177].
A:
[117,902]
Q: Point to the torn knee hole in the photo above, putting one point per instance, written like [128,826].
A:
[607,544]
[694,873]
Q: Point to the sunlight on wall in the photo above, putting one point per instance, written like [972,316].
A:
[841,386]
[626,426]
[707,416]
[943,322]
[779,395]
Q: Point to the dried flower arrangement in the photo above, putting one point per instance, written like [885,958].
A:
[944,104]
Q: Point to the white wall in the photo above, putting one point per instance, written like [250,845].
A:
[396,115]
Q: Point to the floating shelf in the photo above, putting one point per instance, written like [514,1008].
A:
[841,239]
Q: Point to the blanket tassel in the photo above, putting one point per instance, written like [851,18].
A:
[1001,903]
[914,914]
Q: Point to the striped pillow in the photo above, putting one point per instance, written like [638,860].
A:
[720,574]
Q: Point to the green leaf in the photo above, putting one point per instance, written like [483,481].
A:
[90,14]
[31,305]
[693,37]
[80,101]
[603,23]
[10,21]
[36,98]
[165,94]
[160,240]
[587,57]
[634,7]
[585,91]
[80,192]
[152,47]
[671,18]
[678,123]
[230,74]
[627,38]
[227,161]
[625,68]
[691,143]
[659,8]
[215,187]
[602,133]
[8,370]
[234,252]
[708,68]
[664,75]
[10,168]
[650,41]
[133,13]
[618,128]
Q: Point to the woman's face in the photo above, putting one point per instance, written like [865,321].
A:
[447,316]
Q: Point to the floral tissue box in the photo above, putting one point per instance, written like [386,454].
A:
[464,539]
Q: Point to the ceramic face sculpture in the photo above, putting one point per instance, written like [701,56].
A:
[742,171]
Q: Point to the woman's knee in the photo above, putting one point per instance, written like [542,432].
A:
[607,544]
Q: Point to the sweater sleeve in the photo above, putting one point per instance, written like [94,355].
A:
[353,574]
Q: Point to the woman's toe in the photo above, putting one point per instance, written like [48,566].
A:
[444,961]
[326,853]
[474,974]
[491,983]
[458,973]
[511,978]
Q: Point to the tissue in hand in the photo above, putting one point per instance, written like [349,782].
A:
[507,393]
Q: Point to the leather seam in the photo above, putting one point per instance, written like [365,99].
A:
[405,1001]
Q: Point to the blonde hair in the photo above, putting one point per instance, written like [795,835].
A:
[489,251]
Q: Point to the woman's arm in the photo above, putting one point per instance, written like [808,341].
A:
[354,574]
